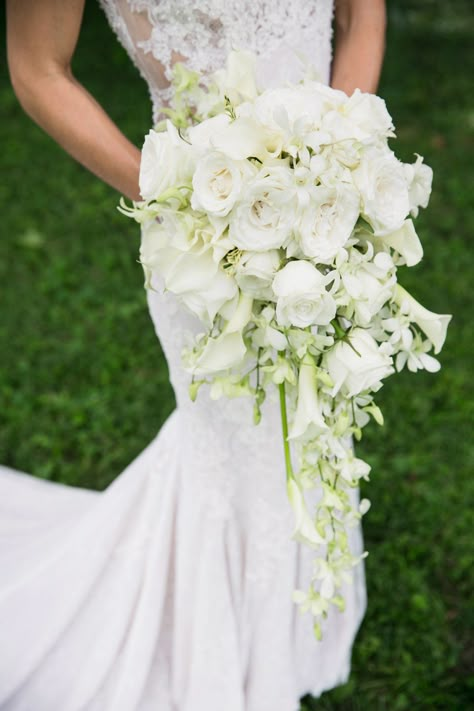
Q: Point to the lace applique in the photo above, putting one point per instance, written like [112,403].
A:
[283,35]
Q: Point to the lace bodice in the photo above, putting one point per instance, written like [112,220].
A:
[284,34]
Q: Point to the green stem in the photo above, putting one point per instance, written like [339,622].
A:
[258,368]
[284,427]
[340,332]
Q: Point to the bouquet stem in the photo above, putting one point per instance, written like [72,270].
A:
[284,427]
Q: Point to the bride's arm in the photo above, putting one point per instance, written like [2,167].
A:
[41,39]
[359,46]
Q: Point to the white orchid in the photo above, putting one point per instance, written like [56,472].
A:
[357,364]
[366,283]
[416,357]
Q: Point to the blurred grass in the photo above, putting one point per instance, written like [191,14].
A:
[84,386]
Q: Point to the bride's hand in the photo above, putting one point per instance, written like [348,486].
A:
[359,46]
[41,39]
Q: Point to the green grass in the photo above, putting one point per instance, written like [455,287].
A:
[84,386]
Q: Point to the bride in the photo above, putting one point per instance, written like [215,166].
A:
[171,589]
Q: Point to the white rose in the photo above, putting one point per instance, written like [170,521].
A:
[166,161]
[176,268]
[359,366]
[254,272]
[263,217]
[217,182]
[419,177]
[179,232]
[364,117]
[328,222]
[339,157]
[433,325]
[381,180]
[154,237]
[158,252]
[301,294]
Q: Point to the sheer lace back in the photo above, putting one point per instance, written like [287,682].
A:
[284,34]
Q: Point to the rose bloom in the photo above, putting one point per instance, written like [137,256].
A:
[328,222]
[382,183]
[263,218]
[166,161]
[216,184]
[302,298]
[254,272]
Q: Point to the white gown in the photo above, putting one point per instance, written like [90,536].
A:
[171,589]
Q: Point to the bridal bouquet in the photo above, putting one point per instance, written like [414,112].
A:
[280,218]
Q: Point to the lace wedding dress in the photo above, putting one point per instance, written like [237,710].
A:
[171,590]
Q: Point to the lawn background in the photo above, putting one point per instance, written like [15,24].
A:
[84,386]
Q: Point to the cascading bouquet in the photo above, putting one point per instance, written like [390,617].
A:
[280,218]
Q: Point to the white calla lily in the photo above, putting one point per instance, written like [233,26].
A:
[238,80]
[433,325]
[227,349]
[305,530]
[241,139]
[220,353]
[308,411]
[406,242]
[214,297]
